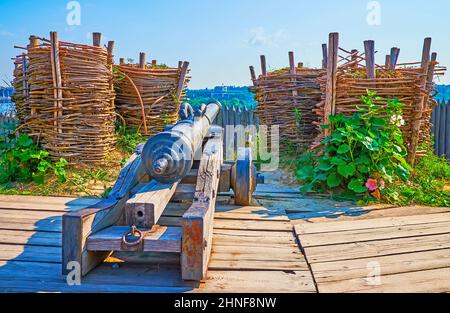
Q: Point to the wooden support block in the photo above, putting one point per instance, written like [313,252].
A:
[146,207]
[369,47]
[160,239]
[197,222]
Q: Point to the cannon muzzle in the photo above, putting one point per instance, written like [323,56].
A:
[169,155]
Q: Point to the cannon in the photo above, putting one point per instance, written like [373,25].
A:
[182,164]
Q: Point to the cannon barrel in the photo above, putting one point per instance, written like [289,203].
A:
[169,155]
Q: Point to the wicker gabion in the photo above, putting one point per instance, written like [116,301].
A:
[69,98]
[287,98]
[149,95]
[350,74]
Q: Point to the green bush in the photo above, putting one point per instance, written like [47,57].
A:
[22,161]
[364,152]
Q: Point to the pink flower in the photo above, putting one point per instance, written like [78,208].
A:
[372,184]
[382,184]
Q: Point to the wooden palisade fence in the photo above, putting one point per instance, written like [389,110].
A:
[238,122]
[441,129]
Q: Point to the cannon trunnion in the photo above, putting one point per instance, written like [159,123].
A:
[182,164]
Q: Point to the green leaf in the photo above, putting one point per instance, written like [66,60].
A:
[346,170]
[25,141]
[306,172]
[343,149]
[357,185]
[337,161]
[334,180]
[363,169]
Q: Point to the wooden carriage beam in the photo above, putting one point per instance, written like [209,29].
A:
[146,207]
[79,225]
[197,222]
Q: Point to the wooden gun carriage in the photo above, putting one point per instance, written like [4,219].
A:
[183,162]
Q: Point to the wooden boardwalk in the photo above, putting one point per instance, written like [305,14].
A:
[253,251]
[387,249]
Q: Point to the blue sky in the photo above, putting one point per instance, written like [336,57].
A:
[221,38]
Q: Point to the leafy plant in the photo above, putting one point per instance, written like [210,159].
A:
[363,152]
[22,161]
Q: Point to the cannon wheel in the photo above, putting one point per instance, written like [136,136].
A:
[243,177]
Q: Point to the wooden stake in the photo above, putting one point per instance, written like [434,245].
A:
[330,93]
[369,47]
[387,63]
[354,59]
[97,39]
[57,81]
[292,71]
[291,63]
[252,73]
[395,52]
[420,103]
[263,65]
[324,56]
[142,60]
[181,82]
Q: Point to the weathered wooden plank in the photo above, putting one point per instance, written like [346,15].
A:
[312,228]
[146,207]
[258,281]
[162,239]
[430,281]
[14,252]
[391,264]
[30,238]
[309,240]
[255,265]
[48,224]
[368,249]
[197,222]
[252,225]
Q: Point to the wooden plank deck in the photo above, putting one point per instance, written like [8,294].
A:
[387,249]
[253,251]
